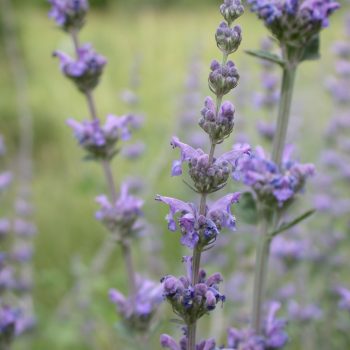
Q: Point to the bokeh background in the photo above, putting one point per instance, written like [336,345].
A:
[157,41]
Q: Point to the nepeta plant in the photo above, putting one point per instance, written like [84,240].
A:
[296,26]
[196,294]
[119,212]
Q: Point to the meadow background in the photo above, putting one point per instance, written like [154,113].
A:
[163,35]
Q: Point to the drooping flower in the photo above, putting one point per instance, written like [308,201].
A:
[100,141]
[138,310]
[69,14]
[85,71]
[121,216]
[196,228]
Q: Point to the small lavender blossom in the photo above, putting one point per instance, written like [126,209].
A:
[5,180]
[191,302]
[85,71]
[273,336]
[266,130]
[219,126]
[303,313]
[207,176]
[69,14]
[166,341]
[231,10]
[122,215]
[8,319]
[270,184]
[294,23]
[344,302]
[197,229]
[223,77]
[138,310]
[228,39]
[100,141]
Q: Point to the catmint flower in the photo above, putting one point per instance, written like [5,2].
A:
[100,141]
[122,215]
[166,341]
[273,185]
[191,302]
[8,319]
[138,310]
[69,14]
[220,126]
[207,176]
[228,39]
[344,294]
[198,229]
[5,227]
[294,23]
[5,180]
[303,313]
[231,10]
[85,71]
[223,77]
[273,336]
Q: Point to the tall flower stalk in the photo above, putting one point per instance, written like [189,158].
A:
[119,211]
[296,26]
[195,295]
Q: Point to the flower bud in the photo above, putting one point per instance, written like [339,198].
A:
[228,39]
[231,10]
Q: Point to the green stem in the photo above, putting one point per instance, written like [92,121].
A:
[289,72]
[263,250]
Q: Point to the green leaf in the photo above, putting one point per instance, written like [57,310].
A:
[288,225]
[266,55]
[312,50]
[246,209]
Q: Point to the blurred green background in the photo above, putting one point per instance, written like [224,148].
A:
[164,34]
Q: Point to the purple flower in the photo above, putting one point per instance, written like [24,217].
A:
[99,140]
[268,182]
[223,77]
[208,176]
[244,340]
[191,302]
[231,10]
[293,22]
[5,180]
[228,39]
[120,216]
[344,294]
[266,130]
[166,341]
[137,310]
[69,14]
[24,228]
[304,313]
[22,252]
[8,319]
[5,227]
[196,228]
[134,151]
[85,71]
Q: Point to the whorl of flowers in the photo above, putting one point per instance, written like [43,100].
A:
[138,310]
[69,14]
[167,342]
[85,70]
[273,336]
[190,302]
[100,140]
[273,185]
[198,229]
[120,217]
[294,22]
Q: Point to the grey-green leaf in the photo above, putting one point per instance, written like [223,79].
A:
[266,55]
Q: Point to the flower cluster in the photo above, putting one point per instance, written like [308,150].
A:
[208,175]
[168,342]
[138,310]
[273,336]
[273,185]
[120,217]
[294,22]
[198,229]
[85,70]
[100,140]
[191,302]
[69,14]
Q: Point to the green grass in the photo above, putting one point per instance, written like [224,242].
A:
[64,186]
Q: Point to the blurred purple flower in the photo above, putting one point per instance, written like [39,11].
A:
[303,313]
[5,180]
